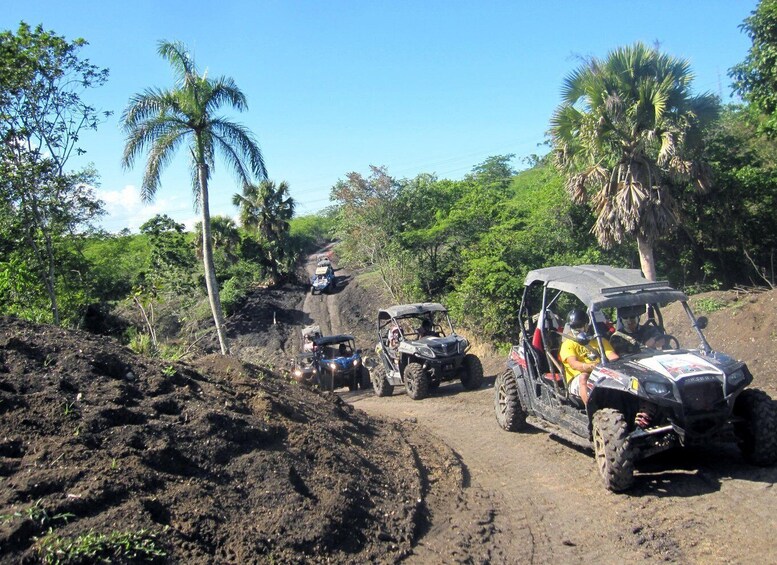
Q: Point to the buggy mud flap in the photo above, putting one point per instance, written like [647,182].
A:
[394,378]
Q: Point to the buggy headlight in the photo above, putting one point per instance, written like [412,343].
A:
[297,373]
[426,350]
[463,345]
[656,388]
[333,366]
[736,377]
[355,362]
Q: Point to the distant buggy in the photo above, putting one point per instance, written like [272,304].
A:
[647,401]
[418,358]
[322,280]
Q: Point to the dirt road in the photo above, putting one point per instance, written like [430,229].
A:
[544,498]
[703,506]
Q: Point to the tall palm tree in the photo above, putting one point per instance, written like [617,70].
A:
[161,120]
[627,131]
[268,209]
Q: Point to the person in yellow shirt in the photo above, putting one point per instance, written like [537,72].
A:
[581,354]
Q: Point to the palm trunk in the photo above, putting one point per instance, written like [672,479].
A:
[207,259]
[646,260]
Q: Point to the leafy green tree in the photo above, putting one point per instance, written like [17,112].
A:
[161,120]
[755,79]
[268,208]
[367,222]
[741,249]
[171,261]
[626,135]
[42,115]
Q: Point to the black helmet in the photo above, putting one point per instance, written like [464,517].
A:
[426,324]
[577,318]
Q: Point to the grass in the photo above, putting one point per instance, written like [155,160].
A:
[37,514]
[709,305]
[94,547]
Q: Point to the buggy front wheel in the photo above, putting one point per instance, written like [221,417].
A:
[757,432]
[416,381]
[380,384]
[612,450]
[472,372]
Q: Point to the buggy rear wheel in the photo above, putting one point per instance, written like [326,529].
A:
[612,450]
[507,406]
[472,376]
[416,381]
[757,433]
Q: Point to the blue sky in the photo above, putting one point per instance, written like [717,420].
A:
[334,87]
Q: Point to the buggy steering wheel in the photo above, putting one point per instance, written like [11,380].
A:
[671,342]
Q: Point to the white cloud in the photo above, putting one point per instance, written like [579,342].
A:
[125,209]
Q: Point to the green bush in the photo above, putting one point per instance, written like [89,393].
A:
[243,275]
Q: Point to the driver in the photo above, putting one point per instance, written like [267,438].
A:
[426,329]
[580,354]
[631,336]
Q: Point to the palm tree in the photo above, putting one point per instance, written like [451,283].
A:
[268,209]
[160,121]
[224,236]
[627,132]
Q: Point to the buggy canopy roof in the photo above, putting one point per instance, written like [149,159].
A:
[417,309]
[602,286]
[322,270]
[333,339]
[305,355]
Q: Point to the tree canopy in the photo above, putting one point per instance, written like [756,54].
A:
[755,78]
[627,133]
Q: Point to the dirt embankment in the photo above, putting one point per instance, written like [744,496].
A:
[218,461]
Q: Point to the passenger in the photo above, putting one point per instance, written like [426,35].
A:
[631,336]
[426,329]
[580,354]
[394,338]
[343,350]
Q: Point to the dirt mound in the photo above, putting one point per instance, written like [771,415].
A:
[216,461]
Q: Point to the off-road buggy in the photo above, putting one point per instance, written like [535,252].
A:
[305,368]
[322,279]
[421,362]
[340,363]
[645,402]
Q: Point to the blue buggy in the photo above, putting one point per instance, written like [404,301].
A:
[340,363]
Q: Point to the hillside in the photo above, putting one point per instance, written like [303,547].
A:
[215,460]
